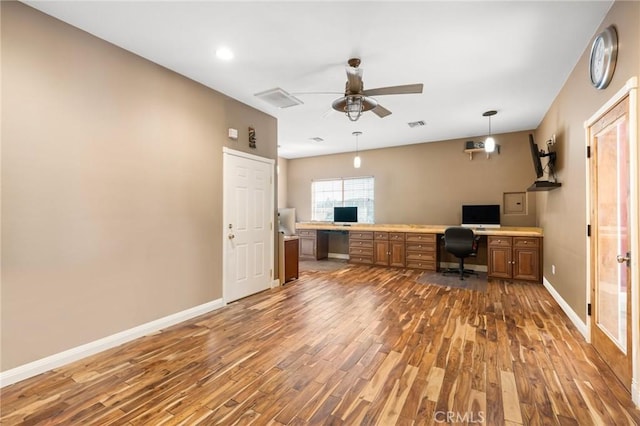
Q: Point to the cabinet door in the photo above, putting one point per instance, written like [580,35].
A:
[396,255]
[381,252]
[290,260]
[308,247]
[526,264]
[500,262]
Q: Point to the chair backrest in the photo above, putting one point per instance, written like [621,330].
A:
[459,241]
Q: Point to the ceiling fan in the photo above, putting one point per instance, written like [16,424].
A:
[356,100]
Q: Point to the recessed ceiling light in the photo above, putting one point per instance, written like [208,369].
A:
[224,53]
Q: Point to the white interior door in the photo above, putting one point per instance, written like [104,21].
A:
[248,224]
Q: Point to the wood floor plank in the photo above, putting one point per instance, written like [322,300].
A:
[361,345]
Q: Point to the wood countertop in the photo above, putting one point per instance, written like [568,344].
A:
[512,231]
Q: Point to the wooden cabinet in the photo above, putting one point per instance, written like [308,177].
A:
[388,249]
[313,244]
[515,258]
[361,247]
[290,259]
[422,251]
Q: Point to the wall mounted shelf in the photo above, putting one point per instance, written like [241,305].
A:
[543,185]
[473,150]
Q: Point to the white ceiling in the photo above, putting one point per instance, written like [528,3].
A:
[511,56]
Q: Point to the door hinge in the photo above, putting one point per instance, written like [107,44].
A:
[270,273]
[588,309]
[588,151]
[588,230]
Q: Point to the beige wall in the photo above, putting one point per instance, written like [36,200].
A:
[283,170]
[562,213]
[425,183]
[111,187]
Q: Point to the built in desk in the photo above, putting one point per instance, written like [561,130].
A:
[513,253]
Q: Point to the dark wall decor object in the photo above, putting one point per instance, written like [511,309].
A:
[252,137]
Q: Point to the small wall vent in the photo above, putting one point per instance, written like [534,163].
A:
[416,123]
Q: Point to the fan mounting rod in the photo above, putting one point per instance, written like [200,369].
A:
[354,62]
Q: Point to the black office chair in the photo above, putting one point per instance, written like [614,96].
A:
[462,243]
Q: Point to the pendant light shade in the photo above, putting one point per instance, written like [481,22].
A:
[489,143]
[357,162]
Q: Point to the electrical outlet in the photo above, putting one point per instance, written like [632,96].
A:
[553,269]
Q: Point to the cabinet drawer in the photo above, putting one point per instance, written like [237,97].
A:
[381,236]
[421,247]
[360,243]
[521,242]
[367,260]
[492,240]
[417,264]
[360,251]
[396,236]
[427,238]
[421,256]
[306,233]
[361,235]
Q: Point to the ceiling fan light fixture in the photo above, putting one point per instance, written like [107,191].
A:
[354,105]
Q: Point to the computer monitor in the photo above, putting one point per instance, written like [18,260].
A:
[481,216]
[287,221]
[345,214]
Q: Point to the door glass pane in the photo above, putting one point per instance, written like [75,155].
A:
[613,207]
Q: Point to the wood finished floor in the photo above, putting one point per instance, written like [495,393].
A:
[363,345]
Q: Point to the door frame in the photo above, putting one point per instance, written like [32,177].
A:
[630,88]
[225,195]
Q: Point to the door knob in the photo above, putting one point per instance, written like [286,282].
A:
[231,236]
[624,259]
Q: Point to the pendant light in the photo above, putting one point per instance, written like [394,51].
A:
[489,143]
[356,160]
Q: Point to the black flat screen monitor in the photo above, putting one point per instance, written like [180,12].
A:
[481,216]
[535,157]
[345,214]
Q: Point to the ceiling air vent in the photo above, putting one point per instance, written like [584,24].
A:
[279,98]
[416,123]
[317,139]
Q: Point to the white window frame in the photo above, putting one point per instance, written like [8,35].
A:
[366,205]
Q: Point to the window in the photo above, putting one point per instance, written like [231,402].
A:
[347,192]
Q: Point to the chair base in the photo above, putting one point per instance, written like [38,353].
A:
[465,272]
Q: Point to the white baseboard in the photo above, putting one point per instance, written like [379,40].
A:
[575,319]
[338,256]
[635,392]
[51,362]
[275,283]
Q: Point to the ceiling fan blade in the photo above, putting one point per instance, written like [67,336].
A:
[354,80]
[394,90]
[315,93]
[381,111]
